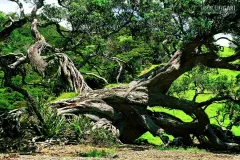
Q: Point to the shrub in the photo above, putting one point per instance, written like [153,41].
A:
[77,129]
[80,126]
[5,105]
[101,136]
[54,125]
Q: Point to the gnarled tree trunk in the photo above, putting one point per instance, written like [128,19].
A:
[125,108]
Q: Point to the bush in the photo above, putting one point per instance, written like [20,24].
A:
[103,137]
[54,125]
[5,105]
[77,129]
[80,126]
[73,129]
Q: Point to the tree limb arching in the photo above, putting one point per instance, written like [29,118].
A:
[151,91]
[67,71]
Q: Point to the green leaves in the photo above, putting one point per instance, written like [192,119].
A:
[100,3]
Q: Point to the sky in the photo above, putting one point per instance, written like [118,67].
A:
[8,6]
[223,42]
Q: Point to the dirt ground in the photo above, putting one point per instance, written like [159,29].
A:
[74,152]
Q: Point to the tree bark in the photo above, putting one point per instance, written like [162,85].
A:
[127,106]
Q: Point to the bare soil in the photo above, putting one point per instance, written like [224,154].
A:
[74,152]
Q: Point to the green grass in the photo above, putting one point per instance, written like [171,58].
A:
[226,72]
[236,130]
[151,139]
[116,85]
[226,52]
[98,153]
[146,70]
[173,112]
[65,96]
[154,140]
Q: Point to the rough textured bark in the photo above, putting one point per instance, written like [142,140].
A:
[126,107]
[34,52]
[67,72]
[130,117]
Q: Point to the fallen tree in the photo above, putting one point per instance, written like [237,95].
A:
[123,110]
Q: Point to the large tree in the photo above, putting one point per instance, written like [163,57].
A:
[182,30]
